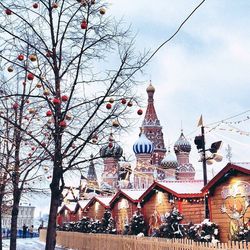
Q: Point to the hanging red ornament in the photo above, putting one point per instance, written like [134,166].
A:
[20,57]
[48,53]
[49,113]
[35,5]
[108,106]
[15,106]
[123,101]
[27,101]
[130,104]
[64,98]
[110,145]
[62,124]
[43,144]
[84,24]
[56,101]
[30,76]
[139,112]
[8,12]
[54,5]
[94,139]
[33,148]
[92,1]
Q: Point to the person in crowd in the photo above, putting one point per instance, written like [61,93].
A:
[24,230]
[31,231]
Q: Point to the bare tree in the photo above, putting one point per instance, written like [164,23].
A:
[85,65]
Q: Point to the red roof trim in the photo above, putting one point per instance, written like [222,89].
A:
[117,196]
[226,169]
[194,195]
[95,199]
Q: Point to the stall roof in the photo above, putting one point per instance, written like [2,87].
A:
[243,167]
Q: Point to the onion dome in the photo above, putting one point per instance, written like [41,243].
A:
[169,161]
[143,145]
[150,88]
[182,144]
[112,149]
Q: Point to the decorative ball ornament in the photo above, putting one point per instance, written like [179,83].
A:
[32,58]
[39,85]
[49,113]
[102,11]
[68,116]
[30,76]
[115,123]
[130,104]
[43,144]
[10,69]
[111,100]
[94,139]
[20,57]
[54,5]
[123,101]
[64,98]
[92,1]
[32,111]
[84,25]
[46,92]
[110,145]
[8,12]
[56,101]
[108,106]
[35,5]
[48,53]
[139,112]
[15,106]
[62,124]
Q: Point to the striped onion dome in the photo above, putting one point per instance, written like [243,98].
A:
[169,161]
[143,145]
[182,144]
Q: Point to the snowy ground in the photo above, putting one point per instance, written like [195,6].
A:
[28,244]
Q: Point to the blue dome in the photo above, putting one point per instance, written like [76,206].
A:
[143,145]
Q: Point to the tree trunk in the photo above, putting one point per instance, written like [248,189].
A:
[14,216]
[1,239]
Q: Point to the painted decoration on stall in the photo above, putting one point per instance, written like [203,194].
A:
[236,200]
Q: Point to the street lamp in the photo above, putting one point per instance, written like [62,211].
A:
[205,158]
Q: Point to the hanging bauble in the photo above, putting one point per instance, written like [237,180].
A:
[30,76]
[108,106]
[46,92]
[10,69]
[15,106]
[27,101]
[49,113]
[8,12]
[130,104]
[56,101]
[32,57]
[73,146]
[39,85]
[43,144]
[48,53]
[20,57]
[115,123]
[111,100]
[102,11]
[68,116]
[139,112]
[32,111]
[110,145]
[123,101]
[54,5]
[35,5]
[64,98]
[94,139]
[33,148]
[92,1]
[84,24]
[62,124]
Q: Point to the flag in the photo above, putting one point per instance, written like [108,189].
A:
[200,122]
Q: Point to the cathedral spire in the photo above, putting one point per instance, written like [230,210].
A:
[91,171]
[152,128]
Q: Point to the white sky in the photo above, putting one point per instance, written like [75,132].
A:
[203,70]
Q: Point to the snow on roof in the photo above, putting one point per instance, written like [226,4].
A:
[83,203]
[133,194]
[184,187]
[242,164]
[104,200]
[71,206]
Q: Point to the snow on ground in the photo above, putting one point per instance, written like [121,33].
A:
[28,244]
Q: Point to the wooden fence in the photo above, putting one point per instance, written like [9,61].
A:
[81,241]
